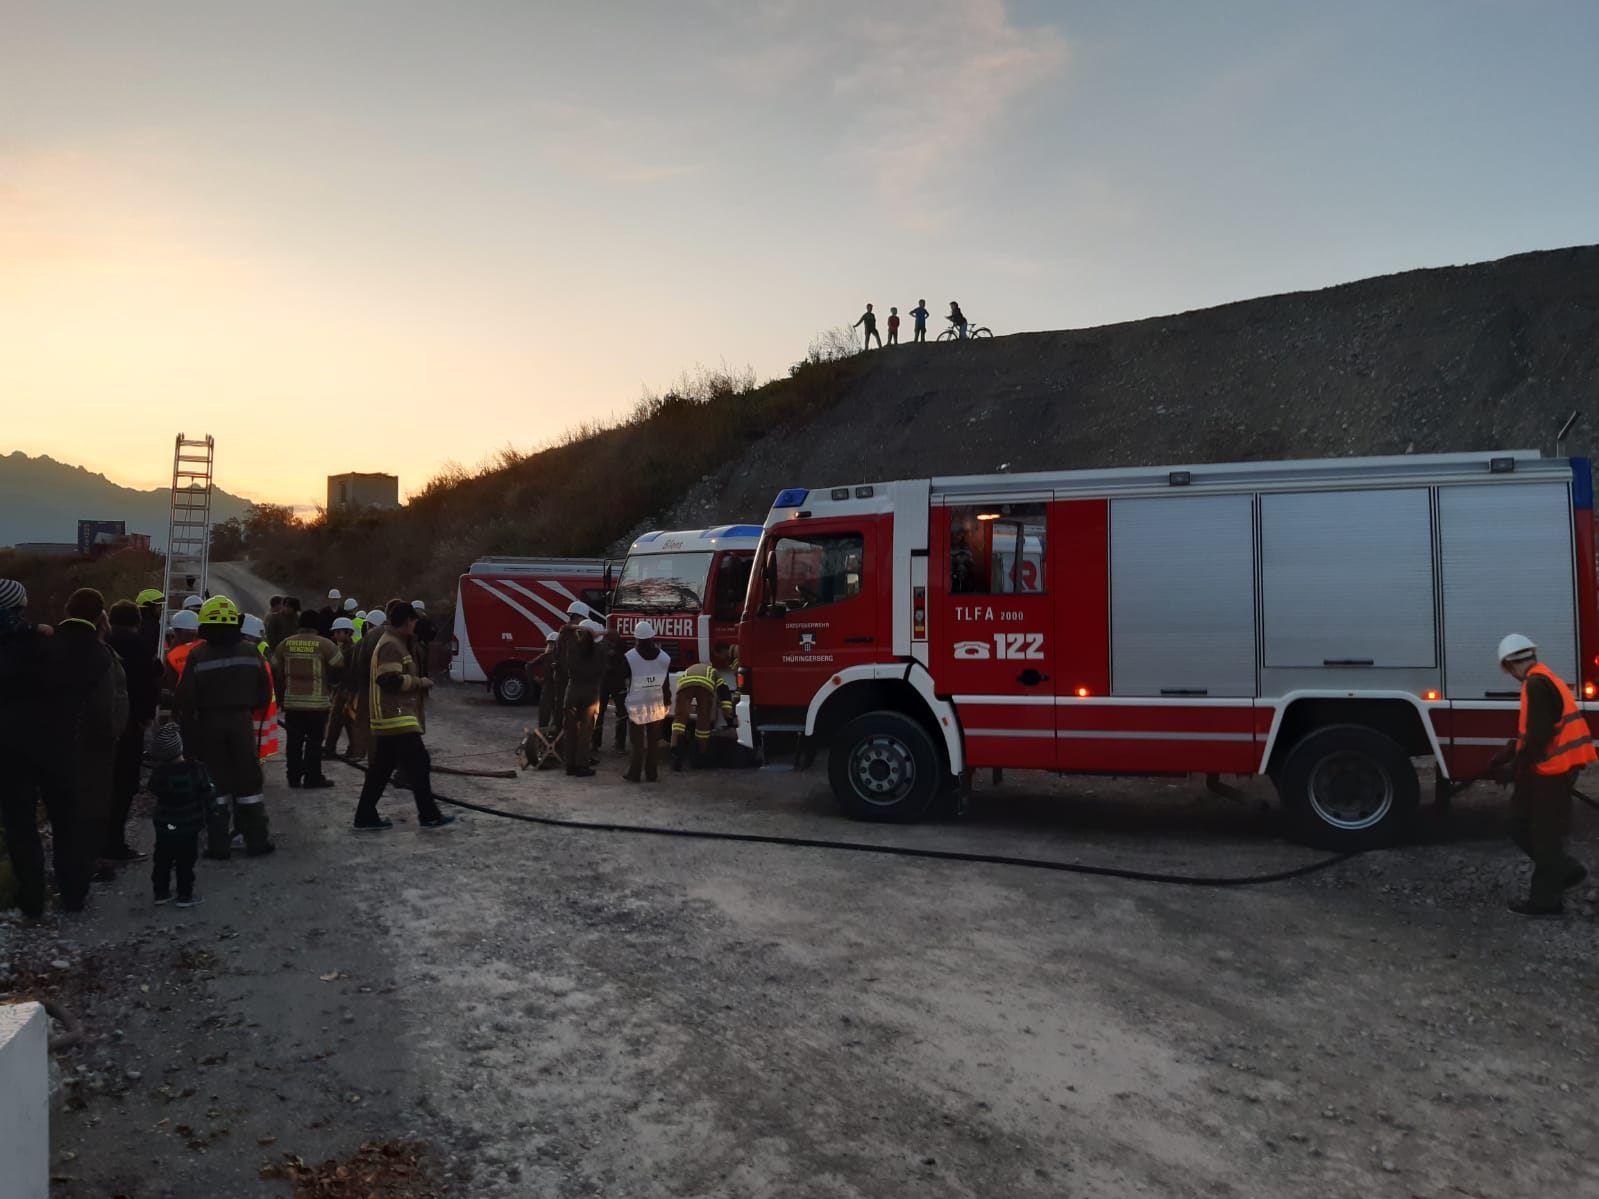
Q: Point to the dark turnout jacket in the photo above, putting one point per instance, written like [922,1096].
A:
[224,678]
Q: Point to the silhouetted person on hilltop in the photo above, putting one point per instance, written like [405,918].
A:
[893,326]
[958,319]
[919,314]
[869,321]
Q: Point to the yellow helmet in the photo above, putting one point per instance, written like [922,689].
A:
[148,596]
[219,609]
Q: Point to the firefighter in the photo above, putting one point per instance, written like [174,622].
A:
[341,711]
[549,696]
[185,628]
[305,665]
[150,603]
[330,611]
[426,634]
[399,717]
[584,667]
[359,682]
[648,696]
[702,692]
[613,691]
[282,620]
[555,669]
[224,683]
[253,629]
[1552,745]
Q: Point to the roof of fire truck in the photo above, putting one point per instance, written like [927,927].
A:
[723,537]
[1392,470]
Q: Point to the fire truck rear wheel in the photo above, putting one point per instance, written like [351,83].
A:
[1348,787]
[884,766]
[510,687]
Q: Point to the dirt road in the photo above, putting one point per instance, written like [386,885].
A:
[565,1013]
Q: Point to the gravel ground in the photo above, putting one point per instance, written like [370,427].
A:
[568,1013]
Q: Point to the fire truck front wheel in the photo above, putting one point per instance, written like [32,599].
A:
[884,766]
[1348,787]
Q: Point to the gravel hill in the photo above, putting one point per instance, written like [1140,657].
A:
[1460,358]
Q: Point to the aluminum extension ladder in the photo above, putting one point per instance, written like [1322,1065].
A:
[188,524]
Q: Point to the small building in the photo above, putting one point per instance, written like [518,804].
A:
[363,491]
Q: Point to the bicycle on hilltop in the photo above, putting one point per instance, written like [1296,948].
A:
[953,333]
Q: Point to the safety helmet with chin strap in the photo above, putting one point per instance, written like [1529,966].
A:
[1516,647]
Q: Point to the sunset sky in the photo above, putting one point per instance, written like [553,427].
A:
[379,235]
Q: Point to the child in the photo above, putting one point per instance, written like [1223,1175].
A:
[893,326]
[182,789]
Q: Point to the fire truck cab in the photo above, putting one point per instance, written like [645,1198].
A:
[690,584]
[1324,623]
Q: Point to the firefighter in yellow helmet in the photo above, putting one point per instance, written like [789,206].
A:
[224,683]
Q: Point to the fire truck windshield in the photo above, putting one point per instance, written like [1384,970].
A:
[662,582]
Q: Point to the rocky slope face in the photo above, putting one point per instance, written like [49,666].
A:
[1493,355]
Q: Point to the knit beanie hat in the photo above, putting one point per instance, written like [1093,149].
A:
[13,594]
[166,745]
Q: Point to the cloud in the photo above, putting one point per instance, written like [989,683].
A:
[910,98]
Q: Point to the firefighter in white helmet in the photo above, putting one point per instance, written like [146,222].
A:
[1552,745]
[647,672]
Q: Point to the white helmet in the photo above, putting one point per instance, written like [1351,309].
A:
[349,604]
[1516,646]
[252,626]
[578,608]
[345,623]
[375,618]
[192,602]
[333,593]
[418,606]
[361,615]
[644,630]
[187,620]
[593,626]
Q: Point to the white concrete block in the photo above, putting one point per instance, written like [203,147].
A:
[24,1101]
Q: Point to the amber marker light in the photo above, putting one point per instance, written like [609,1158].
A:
[1589,691]
[1082,693]
[1430,696]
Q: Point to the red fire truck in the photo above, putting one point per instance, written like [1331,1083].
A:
[1324,623]
[505,609]
[690,584]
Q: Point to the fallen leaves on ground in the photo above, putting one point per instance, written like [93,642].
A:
[390,1170]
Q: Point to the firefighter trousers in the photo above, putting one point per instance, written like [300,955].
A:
[228,749]
[643,751]
[305,728]
[340,721]
[406,751]
[1540,821]
[580,718]
[699,705]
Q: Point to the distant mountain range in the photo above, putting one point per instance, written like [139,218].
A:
[43,500]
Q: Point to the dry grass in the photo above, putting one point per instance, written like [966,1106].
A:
[51,580]
[572,498]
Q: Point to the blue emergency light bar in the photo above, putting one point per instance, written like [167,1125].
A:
[791,497]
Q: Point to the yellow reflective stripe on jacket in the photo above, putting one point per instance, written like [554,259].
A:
[702,675]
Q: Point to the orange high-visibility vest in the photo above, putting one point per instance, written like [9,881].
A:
[1571,747]
[266,724]
[178,656]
